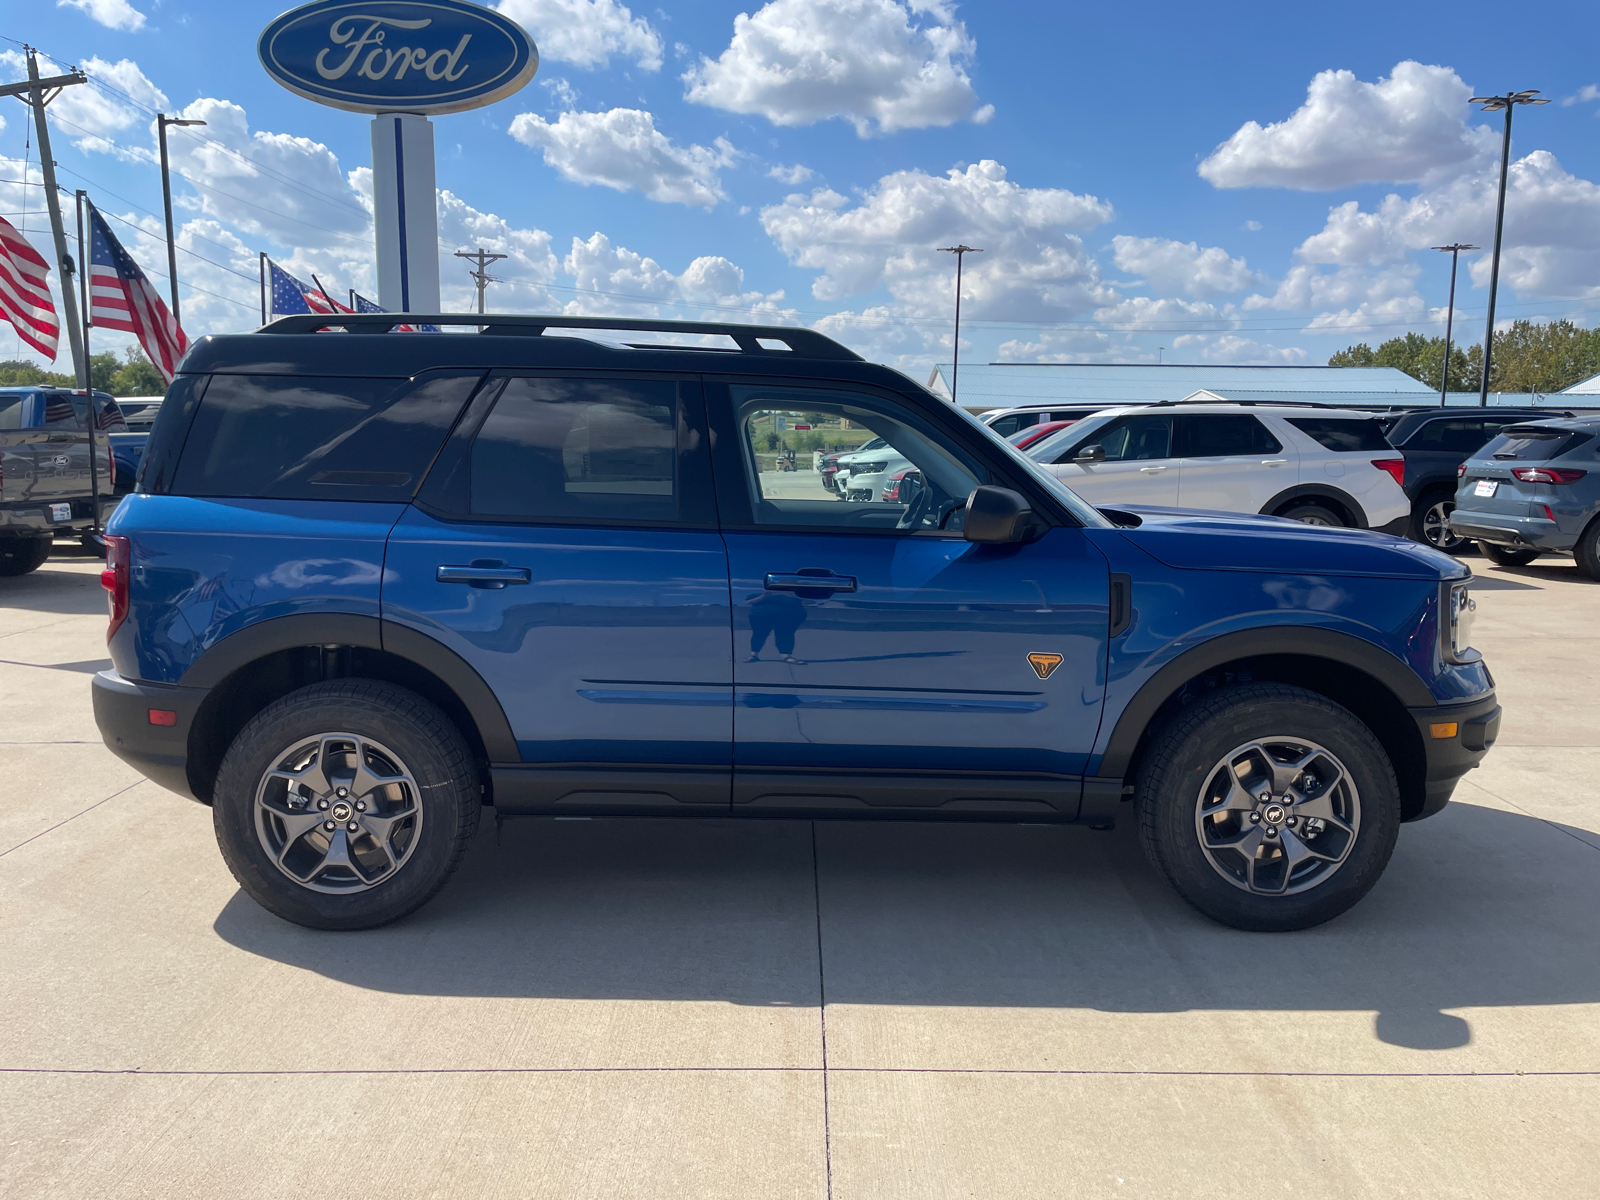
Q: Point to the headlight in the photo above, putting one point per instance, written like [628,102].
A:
[1460,610]
[868,468]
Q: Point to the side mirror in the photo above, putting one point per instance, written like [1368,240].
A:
[1090,454]
[996,514]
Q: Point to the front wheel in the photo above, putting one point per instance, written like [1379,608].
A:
[345,805]
[1504,556]
[1268,807]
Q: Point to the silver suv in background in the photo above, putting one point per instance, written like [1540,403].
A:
[1321,466]
[1534,489]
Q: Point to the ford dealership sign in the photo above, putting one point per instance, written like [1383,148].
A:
[416,56]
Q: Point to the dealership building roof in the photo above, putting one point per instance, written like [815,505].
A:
[1002,385]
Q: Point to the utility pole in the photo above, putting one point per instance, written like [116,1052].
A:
[481,276]
[32,93]
[162,121]
[1455,249]
[960,251]
[1495,104]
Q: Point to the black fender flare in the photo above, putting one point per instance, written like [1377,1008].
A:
[262,638]
[1341,648]
[1313,491]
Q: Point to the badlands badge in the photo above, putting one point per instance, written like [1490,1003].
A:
[1044,664]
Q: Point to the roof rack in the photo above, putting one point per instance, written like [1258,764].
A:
[751,339]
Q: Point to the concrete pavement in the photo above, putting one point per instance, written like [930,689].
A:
[641,1009]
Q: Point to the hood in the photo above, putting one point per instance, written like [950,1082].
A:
[1191,539]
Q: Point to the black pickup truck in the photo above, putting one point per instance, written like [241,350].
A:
[46,481]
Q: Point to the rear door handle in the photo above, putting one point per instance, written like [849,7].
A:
[483,575]
[810,583]
[1273,462]
[1150,470]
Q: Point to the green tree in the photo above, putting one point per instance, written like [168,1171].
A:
[1529,357]
[102,367]
[138,377]
[16,372]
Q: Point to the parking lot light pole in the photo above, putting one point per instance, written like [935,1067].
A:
[1496,104]
[162,121]
[1455,249]
[960,251]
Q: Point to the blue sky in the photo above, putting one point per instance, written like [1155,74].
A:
[1231,183]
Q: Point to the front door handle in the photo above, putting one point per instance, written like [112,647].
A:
[1273,462]
[810,583]
[1150,470]
[490,574]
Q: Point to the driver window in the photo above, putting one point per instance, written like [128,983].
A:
[819,458]
[1129,438]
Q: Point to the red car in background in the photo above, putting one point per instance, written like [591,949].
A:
[1023,438]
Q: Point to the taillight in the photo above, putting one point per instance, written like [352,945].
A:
[1547,474]
[1461,470]
[115,581]
[891,490]
[1395,466]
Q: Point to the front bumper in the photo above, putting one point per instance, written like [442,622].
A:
[1531,533]
[158,752]
[1449,757]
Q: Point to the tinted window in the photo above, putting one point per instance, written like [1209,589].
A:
[580,449]
[60,415]
[291,437]
[1343,434]
[1214,435]
[1455,435]
[1531,443]
[1129,438]
[11,410]
[1006,426]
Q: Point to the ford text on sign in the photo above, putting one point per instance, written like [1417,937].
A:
[420,56]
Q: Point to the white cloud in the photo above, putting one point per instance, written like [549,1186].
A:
[1069,345]
[561,91]
[1588,92]
[586,33]
[882,65]
[1140,312]
[891,238]
[622,149]
[1171,267]
[796,174]
[1253,226]
[91,115]
[1408,128]
[613,279]
[113,14]
[1234,349]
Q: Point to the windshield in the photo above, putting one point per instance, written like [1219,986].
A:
[1074,503]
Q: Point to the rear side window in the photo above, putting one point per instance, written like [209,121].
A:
[580,449]
[60,416]
[1524,443]
[1217,435]
[1457,436]
[11,411]
[295,437]
[1344,435]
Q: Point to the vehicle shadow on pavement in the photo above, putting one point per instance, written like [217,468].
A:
[1478,908]
[52,590]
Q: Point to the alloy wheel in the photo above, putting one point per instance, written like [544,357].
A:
[1436,527]
[1277,815]
[338,813]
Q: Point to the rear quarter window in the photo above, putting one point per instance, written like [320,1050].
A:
[1343,435]
[11,412]
[296,437]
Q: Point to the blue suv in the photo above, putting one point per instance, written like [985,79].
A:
[370,584]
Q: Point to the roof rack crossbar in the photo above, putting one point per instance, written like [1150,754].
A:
[800,343]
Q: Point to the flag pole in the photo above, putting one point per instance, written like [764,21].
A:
[83,274]
[263,265]
[81,197]
[324,291]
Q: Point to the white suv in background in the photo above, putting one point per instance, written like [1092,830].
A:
[1323,466]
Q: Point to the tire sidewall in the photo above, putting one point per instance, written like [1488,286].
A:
[1183,761]
[406,724]
[1310,507]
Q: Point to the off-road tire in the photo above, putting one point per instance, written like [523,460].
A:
[1313,514]
[1587,551]
[19,556]
[1187,751]
[431,746]
[1504,556]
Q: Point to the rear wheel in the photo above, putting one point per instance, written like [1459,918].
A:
[1587,551]
[345,805]
[1313,514]
[1430,523]
[1268,807]
[1504,556]
[18,556]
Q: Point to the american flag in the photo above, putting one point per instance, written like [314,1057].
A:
[291,296]
[328,296]
[25,293]
[363,305]
[120,297]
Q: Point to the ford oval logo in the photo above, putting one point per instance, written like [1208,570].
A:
[418,56]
